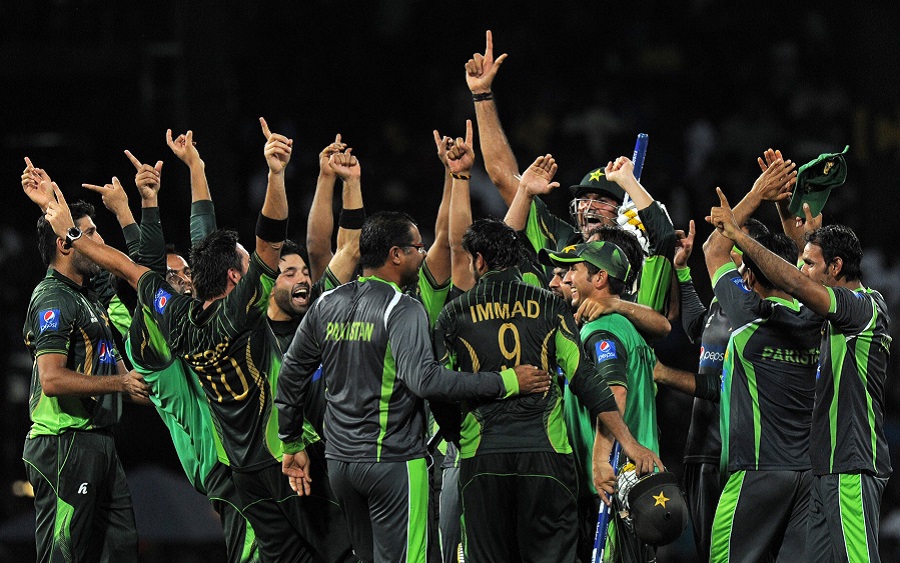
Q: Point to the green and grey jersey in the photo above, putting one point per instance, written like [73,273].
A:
[378,364]
[504,322]
[624,358]
[216,343]
[848,420]
[430,293]
[66,318]
[768,378]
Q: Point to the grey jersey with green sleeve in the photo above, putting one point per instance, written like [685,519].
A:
[378,364]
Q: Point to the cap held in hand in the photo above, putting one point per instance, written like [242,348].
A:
[816,179]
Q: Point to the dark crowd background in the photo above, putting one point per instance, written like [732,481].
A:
[712,85]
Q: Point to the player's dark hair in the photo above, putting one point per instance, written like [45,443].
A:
[616,286]
[755,228]
[381,232]
[47,238]
[496,241]
[839,241]
[211,258]
[778,244]
[291,247]
[628,243]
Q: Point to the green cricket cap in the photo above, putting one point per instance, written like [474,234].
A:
[595,182]
[604,255]
[816,179]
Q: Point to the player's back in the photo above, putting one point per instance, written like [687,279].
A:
[501,323]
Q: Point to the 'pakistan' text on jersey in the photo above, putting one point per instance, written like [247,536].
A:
[768,379]
[216,343]
[377,360]
[66,318]
[848,420]
[504,322]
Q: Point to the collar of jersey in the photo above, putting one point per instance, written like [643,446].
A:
[508,274]
[792,304]
[364,279]
[53,273]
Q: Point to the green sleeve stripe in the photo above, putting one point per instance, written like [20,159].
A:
[510,382]
[533,229]
[684,274]
[50,351]
[568,355]
[863,349]
[429,278]
[723,269]
[853,520]
[833,307]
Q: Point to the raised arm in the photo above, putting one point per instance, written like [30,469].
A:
[107,257]
[782,274]
[536,181]
[185,149]
[499,160]
[438,258]
[346,167]
[272,224]
[320,224]
[460,160]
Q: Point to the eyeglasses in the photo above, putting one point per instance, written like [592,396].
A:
[420,247]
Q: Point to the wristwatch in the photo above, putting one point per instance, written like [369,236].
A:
[73,234]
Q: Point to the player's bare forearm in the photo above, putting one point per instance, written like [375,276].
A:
[499,160]
[320,226]
[439,256]
[517,214]
[199,183]
[785,275]
[644,318]
[110,259]
[459,220]
[60,381]
[680,380]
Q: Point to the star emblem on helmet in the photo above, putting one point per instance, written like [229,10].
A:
[660,499]
[595,175]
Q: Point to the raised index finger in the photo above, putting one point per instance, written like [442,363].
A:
[722,200]
[94,188]
[489,43]
[265,127]
[134,161]
[28,165]
[469,132]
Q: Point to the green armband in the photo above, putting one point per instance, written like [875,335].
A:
[684,274]
[510,382]
[293,447]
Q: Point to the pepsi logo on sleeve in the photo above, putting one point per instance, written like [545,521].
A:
[606,350]
[48,319]
[161,300]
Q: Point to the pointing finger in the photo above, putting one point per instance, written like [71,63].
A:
[722,198]
[58,193]
[158,166]
[469,132]
[94,188]
[134,161]
[169,140]
[265,127]
[28,165]
[489,43]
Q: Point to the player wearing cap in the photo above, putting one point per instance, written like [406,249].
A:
[512,451]
[848,447]
[622,356]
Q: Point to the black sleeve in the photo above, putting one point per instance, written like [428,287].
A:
[693,313]
[152,247]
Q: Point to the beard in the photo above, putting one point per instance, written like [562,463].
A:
[83,266]
[294,302]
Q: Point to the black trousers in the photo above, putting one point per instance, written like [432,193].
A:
[81,499]
[519,507]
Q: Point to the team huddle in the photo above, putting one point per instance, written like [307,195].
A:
[490,397]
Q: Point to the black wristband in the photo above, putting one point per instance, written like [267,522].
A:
[460,176]
[482,96]
[352,218]
[271,230]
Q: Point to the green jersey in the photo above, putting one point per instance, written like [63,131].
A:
[848,420]
[504,322]
[66,318]
[624,358]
